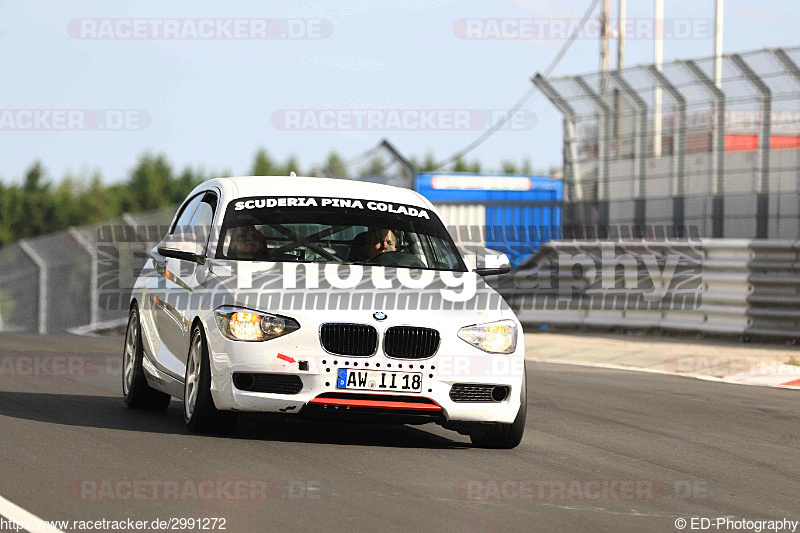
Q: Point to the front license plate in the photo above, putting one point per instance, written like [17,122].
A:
[351,379]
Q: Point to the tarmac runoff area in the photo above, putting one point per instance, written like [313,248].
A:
[711,359]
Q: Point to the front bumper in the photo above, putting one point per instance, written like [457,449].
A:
[455,362]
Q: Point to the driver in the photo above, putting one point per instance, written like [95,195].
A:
[379,241]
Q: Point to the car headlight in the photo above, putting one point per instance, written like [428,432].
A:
[494,337]
[245,325]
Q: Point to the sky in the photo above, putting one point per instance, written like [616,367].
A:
[210,102]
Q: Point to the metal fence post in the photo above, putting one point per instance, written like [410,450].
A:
[764,143]
[790,67]
[717,148]
[42,266]
[571,168]
[87,246]
[405,163]
[640,144]
[678,150]
[604,134]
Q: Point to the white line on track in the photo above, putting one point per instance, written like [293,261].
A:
[30,522]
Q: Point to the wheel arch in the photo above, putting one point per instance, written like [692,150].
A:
[197,321]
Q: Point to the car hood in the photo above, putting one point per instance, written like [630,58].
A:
[318,293]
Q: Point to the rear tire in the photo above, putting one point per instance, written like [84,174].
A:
[505,436]
[135,390]
[199,412]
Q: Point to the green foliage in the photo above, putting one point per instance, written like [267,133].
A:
[38,206]
[263,165]
[149,183]
[460,166]
[374,168]
[429,164]
[334,166]
[8,305]
[290,166]
[509,167]
[180,187]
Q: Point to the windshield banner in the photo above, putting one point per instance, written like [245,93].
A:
[265,202]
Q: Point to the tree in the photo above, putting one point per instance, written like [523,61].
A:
[67,211]
[5,213]
[263,165]
[99,202]
[460,166]
[527,168]
[429,164]
[291,165]
[334,166]
[35,216]
[149,184]
[179,188]
[10,208]
[38,206]
[374,168]
[509,167]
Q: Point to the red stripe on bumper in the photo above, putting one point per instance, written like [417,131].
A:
[795,383]
[377,404]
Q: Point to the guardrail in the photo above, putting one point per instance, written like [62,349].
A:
[748,288]
[79,278]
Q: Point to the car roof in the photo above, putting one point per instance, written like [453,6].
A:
[248,186]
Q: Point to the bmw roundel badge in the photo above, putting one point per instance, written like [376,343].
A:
[379,316]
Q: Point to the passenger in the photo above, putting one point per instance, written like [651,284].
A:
[380,241]
[368,245]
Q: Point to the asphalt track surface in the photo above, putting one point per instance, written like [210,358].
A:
[691,448]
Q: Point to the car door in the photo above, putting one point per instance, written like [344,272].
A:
[169,296]
[185,277]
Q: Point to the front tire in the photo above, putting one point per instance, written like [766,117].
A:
[135,390]
[505,436]
[199,412]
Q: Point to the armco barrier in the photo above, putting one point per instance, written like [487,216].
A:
[78,278]
[724,287]
[748,288]
[774,299]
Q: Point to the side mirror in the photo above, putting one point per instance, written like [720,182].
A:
[182,246]
[488,262]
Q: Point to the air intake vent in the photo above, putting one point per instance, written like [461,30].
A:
[349,339]
[468,392]
[271,383]
[409,342]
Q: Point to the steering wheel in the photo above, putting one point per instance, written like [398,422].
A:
[400,259]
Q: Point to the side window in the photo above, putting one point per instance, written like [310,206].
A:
[204,216]
[184,220]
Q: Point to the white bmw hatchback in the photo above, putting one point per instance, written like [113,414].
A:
[323,298]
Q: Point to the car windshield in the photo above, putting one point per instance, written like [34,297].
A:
[336,230]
